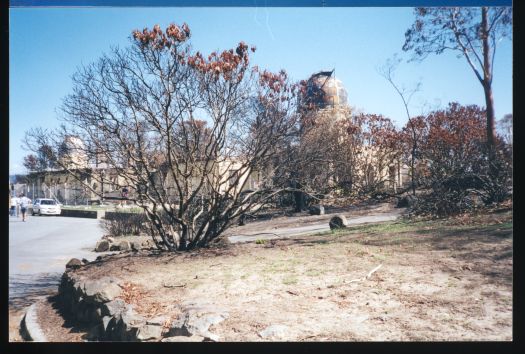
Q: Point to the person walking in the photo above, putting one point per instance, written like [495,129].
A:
[24,203]
[14,206]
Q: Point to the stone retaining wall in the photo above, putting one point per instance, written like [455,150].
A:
[124,243]
[96,304]
[91,214]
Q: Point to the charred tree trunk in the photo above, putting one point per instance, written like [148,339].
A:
[487,81]
[299,198]
[413,163]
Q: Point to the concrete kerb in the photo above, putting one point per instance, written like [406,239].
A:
[80,213]
[29,326]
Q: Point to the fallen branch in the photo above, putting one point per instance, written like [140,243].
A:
[365,277]
[373,271]
[308,337]
[167,285]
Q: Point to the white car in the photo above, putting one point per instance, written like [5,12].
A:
[43,206]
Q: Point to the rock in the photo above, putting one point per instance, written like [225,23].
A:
[110,239]
[105,323]
[178,327]
[338,222]
[82,312]
[201,323]
[211,337]
[274,331]
[199,326]
[87,312]
[316,210]
[124,246]
[96,315]
[102,246]
[114,248]
[132,319]
[158,321]
[78,289]
[113,307]
[129,325]
[111,326]
[183,339]
[101,290]
[197,321]
[95,333]
[74,263]
[149,332]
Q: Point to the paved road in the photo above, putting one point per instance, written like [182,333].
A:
[312,229]
[40,247]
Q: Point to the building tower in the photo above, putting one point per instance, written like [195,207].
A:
[324,94]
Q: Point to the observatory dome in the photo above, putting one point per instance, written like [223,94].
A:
[324,90]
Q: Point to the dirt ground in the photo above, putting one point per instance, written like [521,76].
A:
[442,280]
[15,317]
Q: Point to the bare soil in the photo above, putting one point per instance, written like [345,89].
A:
[15,317]
[441,280]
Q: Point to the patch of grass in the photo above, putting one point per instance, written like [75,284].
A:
[293,261]
[390,227]
[380,257]
[290,280]
[407,239]
[322,242]
[420,227]
[452,282]
[278,267]
[315,272]
[362,253]
[502,226]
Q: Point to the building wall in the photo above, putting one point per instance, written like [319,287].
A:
[66,189]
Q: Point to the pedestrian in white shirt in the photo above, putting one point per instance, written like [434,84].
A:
[24,203]
[14,205]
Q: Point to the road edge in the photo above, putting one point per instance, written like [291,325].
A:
[29,327]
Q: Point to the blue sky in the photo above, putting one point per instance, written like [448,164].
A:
[47,45]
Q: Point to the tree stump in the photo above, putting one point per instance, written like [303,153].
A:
[338,222]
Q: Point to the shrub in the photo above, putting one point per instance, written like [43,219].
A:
[123,223]
[458,167]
